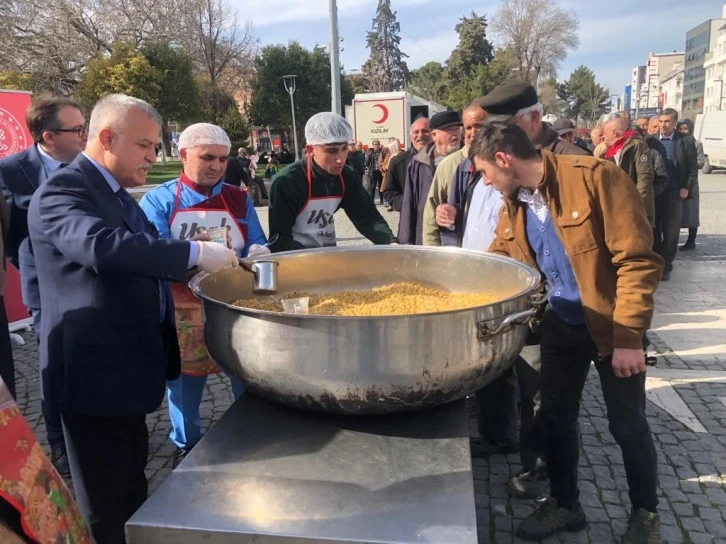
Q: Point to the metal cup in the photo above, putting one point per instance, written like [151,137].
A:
[265,277]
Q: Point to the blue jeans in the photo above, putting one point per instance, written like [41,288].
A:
[184,396]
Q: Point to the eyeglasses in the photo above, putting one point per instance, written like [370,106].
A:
[80,130]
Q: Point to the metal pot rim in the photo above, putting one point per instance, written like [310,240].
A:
[535,280]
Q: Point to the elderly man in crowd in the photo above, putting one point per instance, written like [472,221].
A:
[473,119]
[420,134]
[107,342]
[679,152]
[446,134]
[564,216]
[627,149]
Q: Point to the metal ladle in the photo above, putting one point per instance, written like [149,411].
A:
[264,273]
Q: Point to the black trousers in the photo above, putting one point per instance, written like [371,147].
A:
[107,456]
[7,364]
[566,355]
[51,411]
[668,216]
[498,415]
[499,418]
[531,438]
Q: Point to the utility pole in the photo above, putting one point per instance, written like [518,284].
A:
[334,59]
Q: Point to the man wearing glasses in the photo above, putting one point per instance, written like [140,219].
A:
[59,133]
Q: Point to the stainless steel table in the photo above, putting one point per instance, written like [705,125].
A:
[269,474]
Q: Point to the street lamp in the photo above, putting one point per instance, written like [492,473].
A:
[334,59]
[289,82]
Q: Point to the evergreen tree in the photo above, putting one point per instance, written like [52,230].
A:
[386,69]
[472,50]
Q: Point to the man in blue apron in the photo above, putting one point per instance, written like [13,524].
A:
[306,194]
[185,208]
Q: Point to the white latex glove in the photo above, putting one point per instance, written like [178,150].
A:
[213,257]
[256,250]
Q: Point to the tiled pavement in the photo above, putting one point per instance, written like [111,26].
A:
[688,335]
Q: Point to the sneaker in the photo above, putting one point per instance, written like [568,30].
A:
[643,528]
[179,455]
[549,519]
[529,484]
[59,459]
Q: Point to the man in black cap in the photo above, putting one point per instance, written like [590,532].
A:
[446,134]
[565,128]
[517,101]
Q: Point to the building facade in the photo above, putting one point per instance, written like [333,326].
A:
[637,85]
[671,89]
[715,73]
[700,41]
[658,67]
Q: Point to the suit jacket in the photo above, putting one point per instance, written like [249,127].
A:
[396,178]
[103,350]
[20,176]
[685,159]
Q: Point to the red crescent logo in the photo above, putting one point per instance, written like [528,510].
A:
[384,114]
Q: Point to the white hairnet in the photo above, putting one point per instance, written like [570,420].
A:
[203,134]
[328,128]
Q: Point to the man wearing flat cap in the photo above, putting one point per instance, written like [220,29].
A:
[517,102]
[446,134]
[306,194]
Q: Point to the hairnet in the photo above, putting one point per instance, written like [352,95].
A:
[327,128]
[203,134]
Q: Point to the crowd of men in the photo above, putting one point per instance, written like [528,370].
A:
[98,272]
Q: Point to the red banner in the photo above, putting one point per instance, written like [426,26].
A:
[14,137]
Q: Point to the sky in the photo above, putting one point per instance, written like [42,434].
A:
[615,36]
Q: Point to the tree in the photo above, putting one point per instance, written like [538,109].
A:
[582,96]
[539,33]
[17,81]
[222,49]
[178,97]
[236,126]
[386,69]
[472,50]
[270,103]
[484,78]
[547,93]
[357,82]
[428,81]
[124,71]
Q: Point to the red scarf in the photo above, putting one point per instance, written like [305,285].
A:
[618,145]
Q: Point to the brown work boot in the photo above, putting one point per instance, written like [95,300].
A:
[549,519]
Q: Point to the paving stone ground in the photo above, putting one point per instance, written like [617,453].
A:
[688,334]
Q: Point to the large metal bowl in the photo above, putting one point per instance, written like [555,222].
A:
[370,365]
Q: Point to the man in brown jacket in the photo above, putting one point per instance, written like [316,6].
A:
[565,216]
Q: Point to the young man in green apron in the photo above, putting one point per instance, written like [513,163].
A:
[306,194]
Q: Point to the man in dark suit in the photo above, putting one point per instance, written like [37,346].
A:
[679,153]
[59,132]
[108,342]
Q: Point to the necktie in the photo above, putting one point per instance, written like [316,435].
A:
[133,213]
[138,220]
